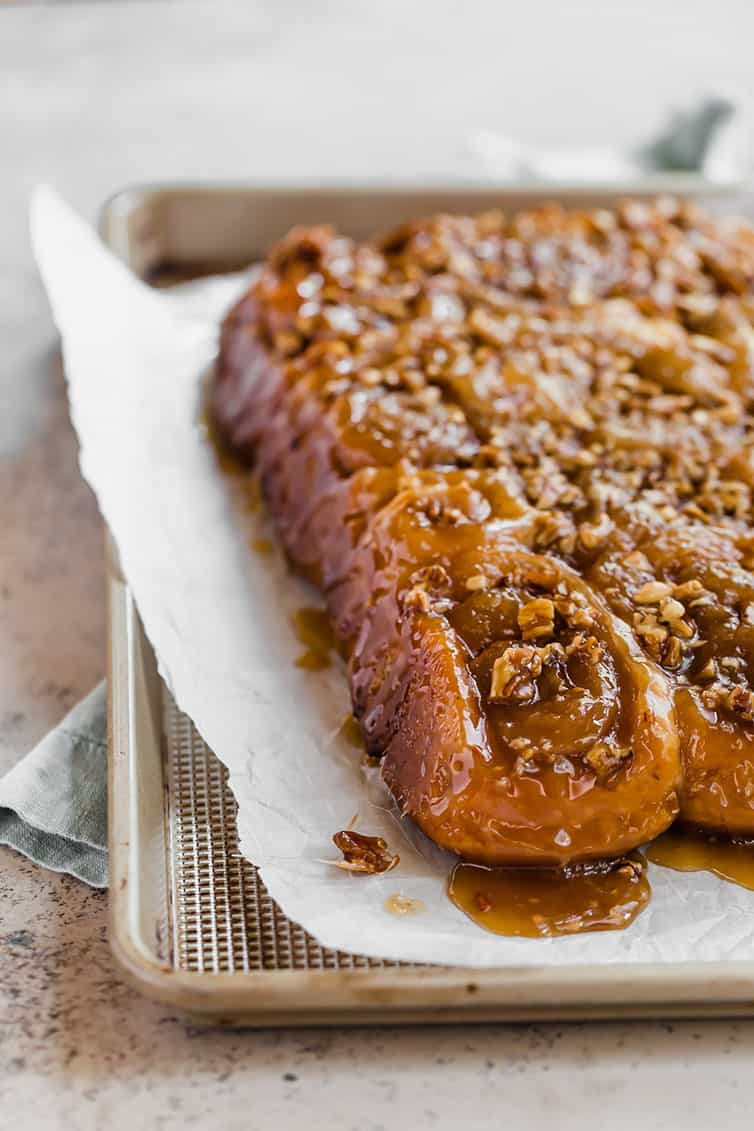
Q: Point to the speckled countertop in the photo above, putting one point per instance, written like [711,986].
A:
[95,96]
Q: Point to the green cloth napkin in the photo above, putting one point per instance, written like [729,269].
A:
[53,803]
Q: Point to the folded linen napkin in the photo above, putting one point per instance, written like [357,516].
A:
[53,804]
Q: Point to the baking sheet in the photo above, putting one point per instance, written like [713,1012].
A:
[218,617]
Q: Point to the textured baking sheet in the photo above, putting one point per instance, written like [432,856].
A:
[223,920]
[218,919]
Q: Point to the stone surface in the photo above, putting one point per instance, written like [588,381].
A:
[97,96]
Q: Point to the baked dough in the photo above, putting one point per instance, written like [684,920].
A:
[515,453]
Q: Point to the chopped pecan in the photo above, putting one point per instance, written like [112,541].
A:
[433,577]
[585,647]
[368,855]
[593,534]
[652,593]
[672,653]
[741,701]
[605,758]
[476,582]
[671,610]
[417,598]
[514,675]
[707,672]
[491,329]
[536,618]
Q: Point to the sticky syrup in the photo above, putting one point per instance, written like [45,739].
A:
[226,461]
[312,661]
[252,494]
[351,732]
[531,903]
[685,850]
[401,905]
[230,466]
[312,629]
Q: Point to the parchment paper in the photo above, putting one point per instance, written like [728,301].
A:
[218,615]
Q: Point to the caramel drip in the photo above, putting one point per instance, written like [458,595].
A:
[312,661]
[228,463]
[252,495]
[529,903]
[401,905]
[313,630]
[262,546]
[351,732]
[685,850]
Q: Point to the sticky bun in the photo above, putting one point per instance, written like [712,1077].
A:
[517,456]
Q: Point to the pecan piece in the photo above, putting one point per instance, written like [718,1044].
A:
[368,855]
[652,593]
[537,618]
[514,675]
[605,759]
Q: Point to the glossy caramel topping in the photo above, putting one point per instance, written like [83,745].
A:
[534,904]
[517,455]
[687,851]
[544,734]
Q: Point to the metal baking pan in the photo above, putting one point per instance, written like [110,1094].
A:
[191,923]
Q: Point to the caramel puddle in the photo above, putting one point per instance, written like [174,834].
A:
[312,661]
[262,546]
[401,905]
[351,731]
[231,466]
[228,463]
[685,850]
[531,903]
[252,494]
[312,628]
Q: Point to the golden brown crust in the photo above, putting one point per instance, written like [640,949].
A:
[518,456]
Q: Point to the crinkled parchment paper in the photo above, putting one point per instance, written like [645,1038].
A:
[218,615]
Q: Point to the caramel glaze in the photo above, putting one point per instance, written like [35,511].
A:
[312,629]
[534,903]
[351,732]
[689,850]
[402,906]
[516,456]
[704,566]
[420,681]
